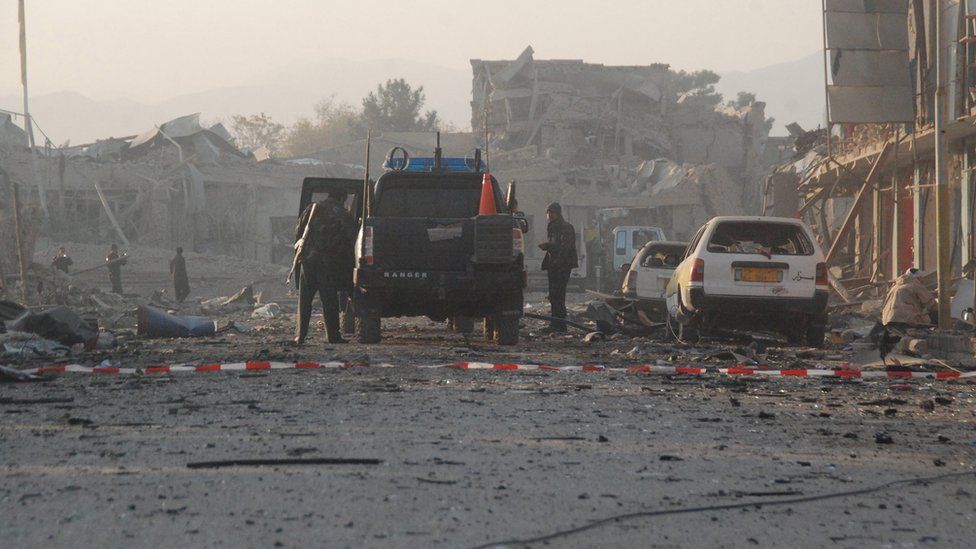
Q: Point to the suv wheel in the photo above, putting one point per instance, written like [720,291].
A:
[368,328]
[506,329]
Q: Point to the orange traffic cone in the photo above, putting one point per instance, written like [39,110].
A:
[487,206]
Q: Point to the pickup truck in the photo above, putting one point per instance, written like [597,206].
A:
[424,249]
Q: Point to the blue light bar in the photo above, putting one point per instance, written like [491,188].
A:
[426,164]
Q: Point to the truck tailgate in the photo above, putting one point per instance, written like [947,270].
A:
[423,244]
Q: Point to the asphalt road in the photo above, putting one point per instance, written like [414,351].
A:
[468,458]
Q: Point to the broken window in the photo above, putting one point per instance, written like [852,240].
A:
[663,255]
[759,237]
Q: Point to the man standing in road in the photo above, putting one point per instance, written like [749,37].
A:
[181,282]
[326,259]
[560,260]
[62,261]
[115,262]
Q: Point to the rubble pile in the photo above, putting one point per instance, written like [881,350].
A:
[584,134]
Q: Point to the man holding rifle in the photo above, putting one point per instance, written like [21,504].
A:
[324,257]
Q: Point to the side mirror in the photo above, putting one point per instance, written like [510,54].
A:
[511,203]
[523,223]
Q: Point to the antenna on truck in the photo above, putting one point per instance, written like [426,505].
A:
[366,193]
[437,153]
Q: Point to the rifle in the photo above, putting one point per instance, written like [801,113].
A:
[300,243]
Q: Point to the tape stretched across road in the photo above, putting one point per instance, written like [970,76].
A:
[742,370]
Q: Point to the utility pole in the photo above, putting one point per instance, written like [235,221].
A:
[19,240]
[942,212]
[22,20]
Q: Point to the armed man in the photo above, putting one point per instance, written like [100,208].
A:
[324,252]
[561,258]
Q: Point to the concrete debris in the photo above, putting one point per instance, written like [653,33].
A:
[58,324]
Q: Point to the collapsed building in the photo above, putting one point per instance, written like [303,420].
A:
[655,145]
[178,184]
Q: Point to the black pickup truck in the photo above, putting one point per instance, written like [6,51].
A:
[424,250]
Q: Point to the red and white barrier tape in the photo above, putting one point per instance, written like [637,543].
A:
[267,365]
[846,372]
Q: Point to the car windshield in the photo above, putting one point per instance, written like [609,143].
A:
[641,237]
[663,255]
[760,237]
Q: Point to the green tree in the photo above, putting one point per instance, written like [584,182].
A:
[396,106]
[334,124]
[258,130]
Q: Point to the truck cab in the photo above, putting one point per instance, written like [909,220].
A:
[425,249]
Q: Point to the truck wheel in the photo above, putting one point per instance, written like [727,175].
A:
[489,326]
[506,329]
[462,324]
[368,328]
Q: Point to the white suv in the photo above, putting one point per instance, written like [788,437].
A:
[751,273]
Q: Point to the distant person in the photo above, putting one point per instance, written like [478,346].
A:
[181,282]
[561,258]
[115,262]
[909,302]
[62,261]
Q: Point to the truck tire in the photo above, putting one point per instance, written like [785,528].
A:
[462,324]
[489,327]
[368,328]
[506,329]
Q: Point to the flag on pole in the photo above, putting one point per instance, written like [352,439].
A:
[23,41]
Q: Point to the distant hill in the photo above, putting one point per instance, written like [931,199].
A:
[793,91]
[286,94]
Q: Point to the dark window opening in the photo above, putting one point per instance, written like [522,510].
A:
[758,237]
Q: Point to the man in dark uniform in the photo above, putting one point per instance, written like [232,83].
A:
[62,261]
[181,282]
[115,268]
[326,263]
[560,260]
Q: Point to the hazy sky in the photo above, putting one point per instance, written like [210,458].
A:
[151,50]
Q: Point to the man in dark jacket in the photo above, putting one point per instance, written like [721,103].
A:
[115,262]
[62,261]
[560,260]
[181,282]
[326,263]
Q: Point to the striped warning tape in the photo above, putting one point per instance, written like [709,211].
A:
[268,365]
[823,372]
[845,372]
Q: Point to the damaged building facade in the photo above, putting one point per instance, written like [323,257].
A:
[868,189]
[645,144]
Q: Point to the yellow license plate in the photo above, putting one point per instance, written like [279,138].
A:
[752,274]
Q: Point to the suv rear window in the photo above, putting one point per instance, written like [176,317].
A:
[445,202]
[663,255]
[759,237]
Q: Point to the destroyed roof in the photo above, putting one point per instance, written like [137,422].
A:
[186,131]
[10,133]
